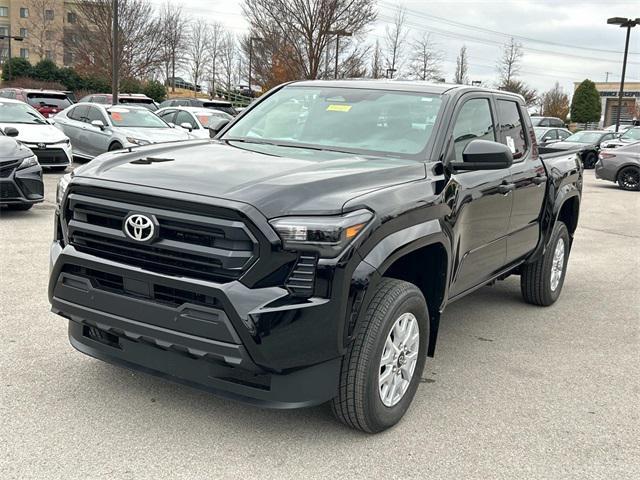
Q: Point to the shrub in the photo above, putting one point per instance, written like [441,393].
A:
[130,85]
[45,70]
[155,90]
[20,67]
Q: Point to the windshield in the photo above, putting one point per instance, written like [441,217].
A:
[206,117]
[138,118]
[19,113]
[228,109]
[142,102]
[40,100]
[354,120]
[584,137]
[631,134]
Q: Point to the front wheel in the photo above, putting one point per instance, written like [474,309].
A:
[541,281]
[382,368]
[629,178]
[590,160]
[115,146]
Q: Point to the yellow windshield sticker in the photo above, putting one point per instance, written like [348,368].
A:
[338,108]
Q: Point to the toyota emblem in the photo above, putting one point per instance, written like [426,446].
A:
[42,145]
[140,228]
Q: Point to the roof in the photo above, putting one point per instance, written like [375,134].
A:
[193,109]
[11,100]
[37,90]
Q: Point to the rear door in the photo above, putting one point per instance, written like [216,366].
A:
[528,175]
[96,140]
[73,127]
[482,202]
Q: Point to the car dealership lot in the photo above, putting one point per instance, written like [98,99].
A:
[515,391]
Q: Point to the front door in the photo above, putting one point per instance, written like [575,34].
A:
[480,200]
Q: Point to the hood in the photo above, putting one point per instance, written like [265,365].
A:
[12,150]
[569,145]
[276,180]
[37,133]
[153,135]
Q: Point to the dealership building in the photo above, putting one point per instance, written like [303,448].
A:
[609,97]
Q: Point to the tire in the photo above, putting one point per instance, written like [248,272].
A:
[20,206]
[589,160]
[115,146]
[359,403]
[536,281]
[629,179]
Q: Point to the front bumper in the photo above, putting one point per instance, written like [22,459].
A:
[53,155]
[252,345]
[24,186]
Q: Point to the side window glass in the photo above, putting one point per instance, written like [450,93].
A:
[551,135]
[474,121]
[168,116]
[185,117]
[95,114]
[511,130]
[562,134]
[79,113]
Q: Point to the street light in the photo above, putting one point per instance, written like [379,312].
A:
[10,37]
[251,40]
[627,23]
[338,34]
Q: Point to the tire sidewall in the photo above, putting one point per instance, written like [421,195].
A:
[384,416]
[559,232]
[622,172]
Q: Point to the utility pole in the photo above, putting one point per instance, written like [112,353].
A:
[115,55]
[251,40]
[338,34]
[627,23]
[607,76]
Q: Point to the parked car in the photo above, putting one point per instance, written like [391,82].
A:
[47,102]
[539,121]
[586,142]
[621,165]
[95,129]
[50,145]
[221,105]
[548,135]
[298,259]
[632,135]
[139,99]
[182,83]
[195,120]
[621,129]
[21,184]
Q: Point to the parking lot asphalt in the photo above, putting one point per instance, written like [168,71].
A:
[515,391]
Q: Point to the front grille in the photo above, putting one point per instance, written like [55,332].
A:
[7,167]
[188,244]
[8,191]
[50,156]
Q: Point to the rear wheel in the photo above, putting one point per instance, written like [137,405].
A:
[382,368]
[541,281]
[590,159]
[629,178]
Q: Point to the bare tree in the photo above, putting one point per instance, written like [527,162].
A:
[173,23]
[426,59]
[555,103]
[297,33]
[376,62]
[140,38]
[197,50]
[216,36]
[228,58]
[42,33]
[395,37]
[462,67]
[509,64]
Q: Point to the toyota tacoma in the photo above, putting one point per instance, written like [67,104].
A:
[305,254]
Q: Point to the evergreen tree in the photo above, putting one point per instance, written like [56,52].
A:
[586,106]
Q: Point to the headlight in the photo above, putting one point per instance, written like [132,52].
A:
[63,183]
[326,235]
[31,161]
[138,141]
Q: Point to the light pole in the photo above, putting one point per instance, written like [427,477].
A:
[338,34]
[115,54]
[251,40]
[627,23]
[10,37]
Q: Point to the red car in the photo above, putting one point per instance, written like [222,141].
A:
[47,102]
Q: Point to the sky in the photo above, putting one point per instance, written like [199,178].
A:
[562,40]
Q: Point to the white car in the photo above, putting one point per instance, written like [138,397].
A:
[621,129]
[50,145]
[195,120]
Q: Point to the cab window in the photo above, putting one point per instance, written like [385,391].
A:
[474,121]
[185,117]
[512,132]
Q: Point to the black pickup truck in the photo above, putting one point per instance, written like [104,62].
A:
[306,253]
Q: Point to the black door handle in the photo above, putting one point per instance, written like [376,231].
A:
[540,179]
[506,188]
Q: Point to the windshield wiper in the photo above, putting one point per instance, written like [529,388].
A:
[305,146]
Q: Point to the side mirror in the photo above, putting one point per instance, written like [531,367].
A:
[186,126]
[98,123]
[216,126]
[11,132]
[484,155]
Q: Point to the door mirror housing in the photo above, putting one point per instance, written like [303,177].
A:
[98,123]
[186,126]
[216,126]
[11,132]
[484,155]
